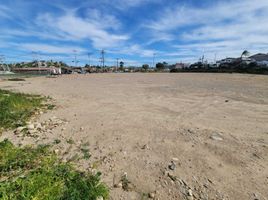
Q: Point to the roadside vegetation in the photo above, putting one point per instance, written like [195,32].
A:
[35,173]
[17,108]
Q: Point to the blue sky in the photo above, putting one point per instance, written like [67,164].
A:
[132,30]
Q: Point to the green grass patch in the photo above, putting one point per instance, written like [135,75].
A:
[57,141]
[86,153]
[17,108]
[36,174]
[70,141]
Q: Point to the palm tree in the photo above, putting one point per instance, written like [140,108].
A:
[245,53]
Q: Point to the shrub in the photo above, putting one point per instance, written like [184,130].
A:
[17,108]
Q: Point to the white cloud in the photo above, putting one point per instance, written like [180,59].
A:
[226,28]
[75,28]
[50,49]
[180,15]
[124,5]
[185,32]
[135,49]
[5,12]
[102,20]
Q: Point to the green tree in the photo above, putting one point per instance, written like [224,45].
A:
[160,66]
[121,64]
[245,53]
[145,66]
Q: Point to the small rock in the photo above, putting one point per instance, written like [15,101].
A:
[216,136]
[30,127]
[32,132]
[255,196]
[145,146]
[57,151]
[82,129]
[172,165]
[38,126]
[190,195]
[20,129]
[152,195]
[190,192]
[99,198]
[190,198]
[120,185]
[175,159]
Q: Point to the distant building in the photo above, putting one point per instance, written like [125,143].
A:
[260,59]
[37,70]
[179,66]
[246,60]
[226,61]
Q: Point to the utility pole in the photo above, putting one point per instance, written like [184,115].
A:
[215,58]
[154,58]
[75,58]
[202,59]
[102,60]
[117,64]
[89,54]
[35,59]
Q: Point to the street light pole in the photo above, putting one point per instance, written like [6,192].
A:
[154,58]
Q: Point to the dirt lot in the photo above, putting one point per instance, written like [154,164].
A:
[175,136]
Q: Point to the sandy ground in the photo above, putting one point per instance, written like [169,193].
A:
[212,127]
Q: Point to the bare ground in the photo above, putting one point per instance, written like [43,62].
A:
[213,127]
